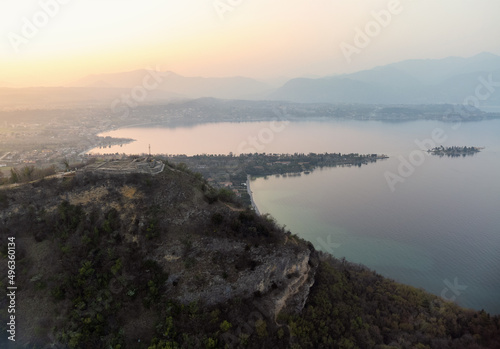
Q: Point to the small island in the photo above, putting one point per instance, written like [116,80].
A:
[454,151]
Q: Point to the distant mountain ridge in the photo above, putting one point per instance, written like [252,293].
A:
[169,82]
[420,81]
[435,71]
[448,80]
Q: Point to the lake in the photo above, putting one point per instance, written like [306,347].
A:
[422,220]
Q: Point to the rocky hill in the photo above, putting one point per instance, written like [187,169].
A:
[163,261]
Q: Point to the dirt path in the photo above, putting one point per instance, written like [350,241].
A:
[57,175]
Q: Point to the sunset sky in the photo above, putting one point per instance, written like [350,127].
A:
[54,42]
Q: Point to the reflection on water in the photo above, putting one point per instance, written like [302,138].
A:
[440,223]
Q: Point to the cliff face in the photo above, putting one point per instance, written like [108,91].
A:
[134,243]
[276,276]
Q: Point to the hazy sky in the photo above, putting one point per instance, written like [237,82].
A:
[51,42]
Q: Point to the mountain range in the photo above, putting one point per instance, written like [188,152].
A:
[448,80]
[420,81]
[171,84]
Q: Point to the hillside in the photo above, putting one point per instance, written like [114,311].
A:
[165,261]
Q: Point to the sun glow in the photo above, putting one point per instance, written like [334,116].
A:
[53,42]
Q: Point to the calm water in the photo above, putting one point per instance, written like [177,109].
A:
[438,228]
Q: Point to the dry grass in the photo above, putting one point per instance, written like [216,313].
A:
[84,198]
[129,192]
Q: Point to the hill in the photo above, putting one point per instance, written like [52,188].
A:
[140,261]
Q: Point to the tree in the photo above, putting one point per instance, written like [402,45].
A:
[14,177]
[65,162]
[28,172]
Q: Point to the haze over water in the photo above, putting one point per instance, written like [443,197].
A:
[437,229]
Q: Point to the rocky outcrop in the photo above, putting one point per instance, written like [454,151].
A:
[274,277]
[147,241]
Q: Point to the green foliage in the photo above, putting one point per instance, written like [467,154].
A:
[86,270]
[214,316]
[352,307]
[112,221]
[211,343]
[14,176]
[211,195]
[117,266]
[169,331]
[226,195]
[155,283]
[198,176]
[58,293]
[225,326]
[261,328]
[182,167]
[70,217]
[280,333]
[152,229]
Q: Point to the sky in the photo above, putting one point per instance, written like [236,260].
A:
[55,42]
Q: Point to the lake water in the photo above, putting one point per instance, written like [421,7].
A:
[434,225]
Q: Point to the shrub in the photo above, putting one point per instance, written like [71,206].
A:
[225,326]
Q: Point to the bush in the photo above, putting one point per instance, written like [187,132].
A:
[217,218]
[225,326]
[226,195]
[4,201]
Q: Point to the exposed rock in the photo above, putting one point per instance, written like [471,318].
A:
[283,277]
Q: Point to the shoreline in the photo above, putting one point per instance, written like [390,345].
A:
[249,191]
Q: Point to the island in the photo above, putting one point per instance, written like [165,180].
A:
[454,151]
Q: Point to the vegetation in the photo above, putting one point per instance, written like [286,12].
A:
[230,172]
[111,259]
[353,307]
[26,174]
[454,151]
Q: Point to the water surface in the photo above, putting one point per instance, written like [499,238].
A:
[438,228]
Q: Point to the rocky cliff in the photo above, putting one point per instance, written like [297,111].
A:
[203,251]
